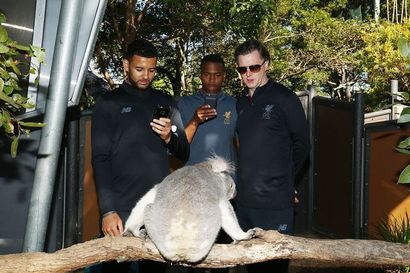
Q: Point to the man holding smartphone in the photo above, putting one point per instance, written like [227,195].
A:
[130,146]
[209,115]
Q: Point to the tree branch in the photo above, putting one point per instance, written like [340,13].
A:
[268,246]
[142,14]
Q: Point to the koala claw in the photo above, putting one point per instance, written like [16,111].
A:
[142,233]
[251,233]
[255,231]
[127,233]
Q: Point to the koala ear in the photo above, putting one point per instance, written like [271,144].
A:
[231,190]
[220,165]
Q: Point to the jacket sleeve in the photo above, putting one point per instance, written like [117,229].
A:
[183,111]
[298,130]
[178,145]
[101,142]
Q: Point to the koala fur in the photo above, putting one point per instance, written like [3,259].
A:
[184,213]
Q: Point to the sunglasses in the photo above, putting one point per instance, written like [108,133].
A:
[253,68]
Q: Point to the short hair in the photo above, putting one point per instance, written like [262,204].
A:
[141,47]
[250,45]
[212,58]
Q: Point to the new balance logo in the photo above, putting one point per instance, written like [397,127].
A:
[283,227]
[126,109]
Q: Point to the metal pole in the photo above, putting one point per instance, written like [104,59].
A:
[377,10]
[55,112]
[312,94]
[357,165]
[396,106]
[394,90]
[72,174]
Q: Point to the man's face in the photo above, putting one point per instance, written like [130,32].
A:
[253,61]
[212,77]
[140,71]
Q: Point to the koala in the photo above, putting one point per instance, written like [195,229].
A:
[184,213]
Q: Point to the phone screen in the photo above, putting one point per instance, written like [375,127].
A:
[211,101]
[161,112]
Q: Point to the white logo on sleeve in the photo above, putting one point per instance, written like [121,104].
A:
[283,227]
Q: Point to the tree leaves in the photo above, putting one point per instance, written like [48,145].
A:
[12,56]
[404,116]
[404,47]
[404,146]
[404,177]
[4,48]
[4,36]
[14,146]
[38,52]
[310,41]
[32,124]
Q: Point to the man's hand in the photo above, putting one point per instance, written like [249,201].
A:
[112,225]
[204,113]
[162,127]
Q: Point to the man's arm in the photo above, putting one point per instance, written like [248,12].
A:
[178,145]
[170,130]
[299,132]
[201,115]
[101,141]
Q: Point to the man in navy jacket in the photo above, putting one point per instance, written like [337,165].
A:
[273,145]
[129,146]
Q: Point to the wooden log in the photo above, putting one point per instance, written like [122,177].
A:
[268,245]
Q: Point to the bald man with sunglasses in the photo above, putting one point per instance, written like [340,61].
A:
[273,145]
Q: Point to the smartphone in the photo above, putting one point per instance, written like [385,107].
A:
[161,112]
[211,100]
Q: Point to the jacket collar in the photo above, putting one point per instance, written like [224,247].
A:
[259,90]
[135,91]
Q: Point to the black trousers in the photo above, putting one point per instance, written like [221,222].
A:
[267,219]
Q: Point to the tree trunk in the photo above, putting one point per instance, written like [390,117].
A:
[268,246]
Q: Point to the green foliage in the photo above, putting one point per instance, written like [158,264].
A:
[404,49]
[253,12]
[12,57]
[404,177]
[404,146]
[382,60]
[404,116]
[397,231]
[313,41]
[324,45]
